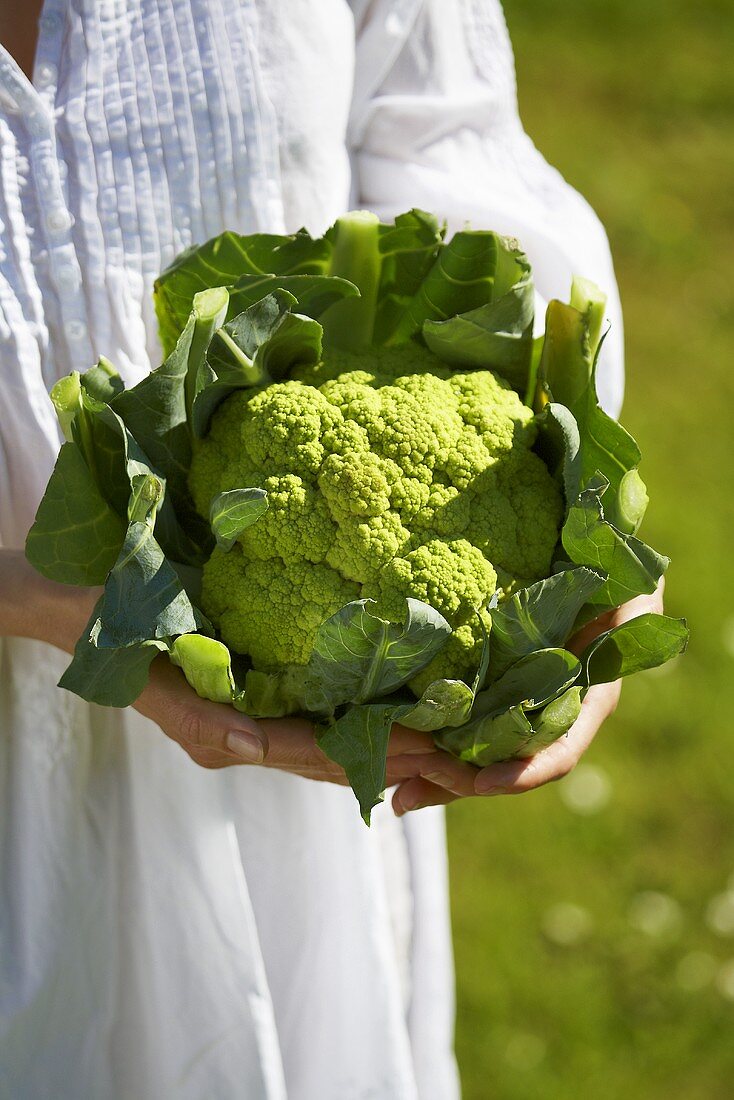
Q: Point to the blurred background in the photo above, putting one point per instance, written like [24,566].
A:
[594,919]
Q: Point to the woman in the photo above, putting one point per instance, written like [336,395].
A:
[226,931]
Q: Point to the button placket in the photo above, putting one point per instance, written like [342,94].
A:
[58,221]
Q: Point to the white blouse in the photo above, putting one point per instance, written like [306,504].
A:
[167,931]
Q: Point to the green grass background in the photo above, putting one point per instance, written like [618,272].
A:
[634,102]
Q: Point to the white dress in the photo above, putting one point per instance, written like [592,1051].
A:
[166,931]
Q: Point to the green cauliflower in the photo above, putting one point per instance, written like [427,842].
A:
[375,492]
[388,476]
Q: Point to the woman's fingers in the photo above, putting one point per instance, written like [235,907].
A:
[641,605]
[437,767]
[216,736]
[439,779]
[213,734]
[558,759]
[445,783]
[293,747]
[406,742]
[416,794]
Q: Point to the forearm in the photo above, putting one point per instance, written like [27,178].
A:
[33,607]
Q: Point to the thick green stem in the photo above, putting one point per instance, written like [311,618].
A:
[571,341]
[66,397]
[356,257]
[209,311]
[588,299]
[68,401]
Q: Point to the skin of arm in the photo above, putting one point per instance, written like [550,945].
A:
[19,33]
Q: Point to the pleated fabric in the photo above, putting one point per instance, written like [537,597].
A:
[165,931]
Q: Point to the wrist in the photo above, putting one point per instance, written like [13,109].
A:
[33,607]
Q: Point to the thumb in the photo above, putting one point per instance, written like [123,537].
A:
[198,723]
[250,744]
[208,725]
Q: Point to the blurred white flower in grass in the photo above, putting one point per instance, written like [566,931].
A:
[525,1051]
[567,924]
[695,971]
[725,980]
[657,915]
[720,914]
[586,790]
[727,635]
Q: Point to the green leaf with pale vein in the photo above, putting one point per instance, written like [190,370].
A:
[443,703]
[358,741]
[102,381]
[632,568]
[359,656]
[109,677]
[488,739]
[559,445]
[532,681]
[639,644]
[157,410]
[553,721]
[477,306]
[312,294]
[144,598]
[540,616]
[76,536]
[222,261]
[262,343]
[232,512]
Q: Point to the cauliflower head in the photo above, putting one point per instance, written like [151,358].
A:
[388,476]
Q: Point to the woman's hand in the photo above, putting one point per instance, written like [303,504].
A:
[551,763]
[213,734]
[216,736]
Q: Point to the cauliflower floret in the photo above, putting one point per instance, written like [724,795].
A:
[446,512]
[355,484]
[363,546]
[458,581]
[282,428]
[271,610]
[489,404]
[296,525]
[454,577]
[388,475]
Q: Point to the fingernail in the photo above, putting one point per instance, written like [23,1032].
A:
[439,778]
[246,746]
[407,804]
[488,785]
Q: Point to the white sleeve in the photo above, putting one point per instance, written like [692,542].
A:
[435,124]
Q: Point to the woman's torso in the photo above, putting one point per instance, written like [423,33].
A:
[150,125]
